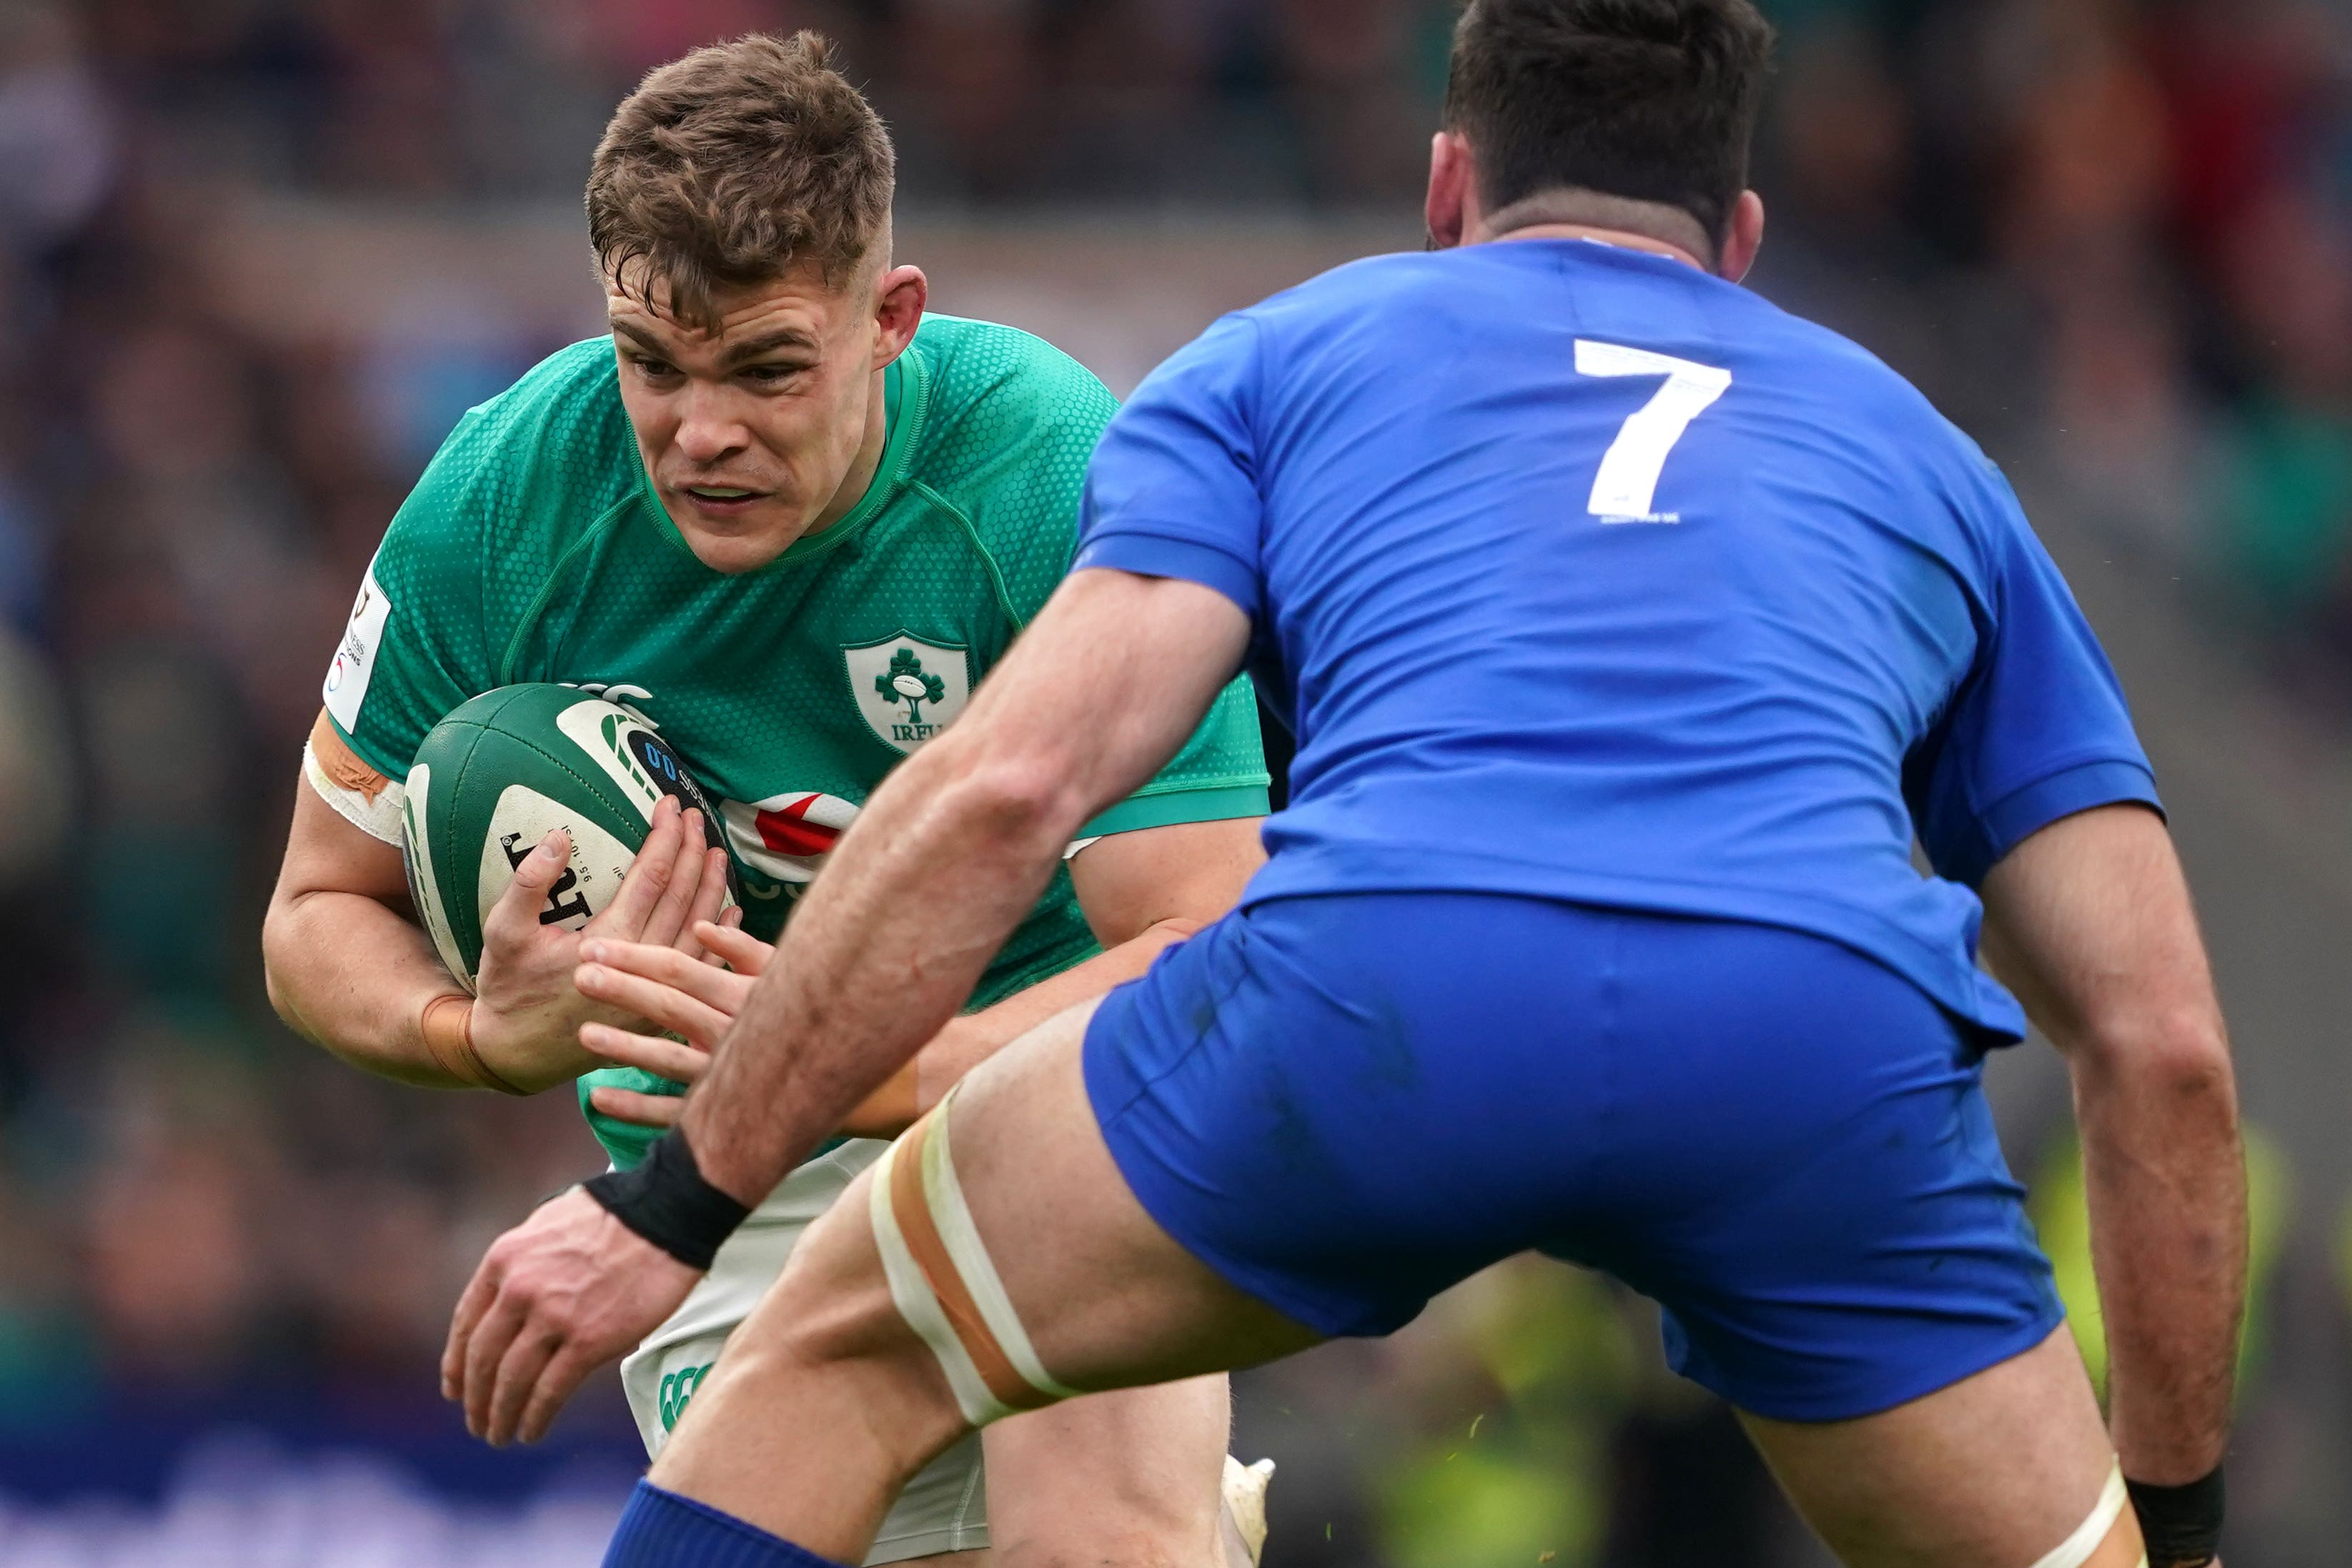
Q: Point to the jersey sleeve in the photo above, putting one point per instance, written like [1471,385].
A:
[1219,776]
[1173,488]
[1059,411]
[416,645]
[2039,729]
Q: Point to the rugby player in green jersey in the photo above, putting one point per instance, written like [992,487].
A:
[792,523]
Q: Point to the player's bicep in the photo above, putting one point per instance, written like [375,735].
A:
[1188,871]
[327,851]
[1111,680]
[350,784]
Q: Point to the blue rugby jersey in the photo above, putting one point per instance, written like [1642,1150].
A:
[1582,574]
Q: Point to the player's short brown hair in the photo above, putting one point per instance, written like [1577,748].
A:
[733,167]
[1651,100]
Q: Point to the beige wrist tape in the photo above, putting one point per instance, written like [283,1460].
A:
[448,1025]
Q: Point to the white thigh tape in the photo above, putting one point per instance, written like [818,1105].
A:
[944,1194]
[2076,1548]
[943,1280]
[920,1305]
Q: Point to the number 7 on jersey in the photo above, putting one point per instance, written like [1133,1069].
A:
[1627,485]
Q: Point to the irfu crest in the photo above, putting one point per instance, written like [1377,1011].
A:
[908,689]
[907,681]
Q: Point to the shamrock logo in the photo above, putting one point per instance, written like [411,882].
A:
[907,681]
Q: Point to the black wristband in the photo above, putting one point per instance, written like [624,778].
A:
[667,1201]
[2182,1525]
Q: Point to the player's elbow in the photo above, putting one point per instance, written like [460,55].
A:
[276,945]
[2182,1053]
[1021,800]
[283,949]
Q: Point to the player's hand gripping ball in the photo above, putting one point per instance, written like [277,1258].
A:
[527,811]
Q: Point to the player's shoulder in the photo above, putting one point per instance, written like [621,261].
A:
[1007,416]
[552,448]
[987,382]
[1346,295]
[570,400]
[1877,409]
[1009,426]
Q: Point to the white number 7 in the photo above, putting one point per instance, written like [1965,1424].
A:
[1627,485]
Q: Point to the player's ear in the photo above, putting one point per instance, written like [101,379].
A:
[1742,237]
[900,295]
[1450,197]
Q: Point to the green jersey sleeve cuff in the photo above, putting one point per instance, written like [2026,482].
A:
[1167,807]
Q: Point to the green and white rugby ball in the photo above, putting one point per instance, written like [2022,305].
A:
[495,776]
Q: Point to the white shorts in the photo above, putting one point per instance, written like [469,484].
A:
[943,1509]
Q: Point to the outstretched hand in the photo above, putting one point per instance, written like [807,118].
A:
[696,1002]
[688,998]
[557,1297]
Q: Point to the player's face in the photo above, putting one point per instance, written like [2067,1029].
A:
[769,427]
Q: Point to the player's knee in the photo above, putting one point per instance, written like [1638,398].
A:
[837,1345]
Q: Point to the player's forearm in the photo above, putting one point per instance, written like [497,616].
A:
[351,975]
[2165,1174]
[968,1041]
[949,856]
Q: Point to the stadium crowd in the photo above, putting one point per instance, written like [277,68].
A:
[2112,239]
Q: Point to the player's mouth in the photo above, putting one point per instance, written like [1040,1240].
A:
[721,501]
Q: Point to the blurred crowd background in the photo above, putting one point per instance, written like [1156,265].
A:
[256,257]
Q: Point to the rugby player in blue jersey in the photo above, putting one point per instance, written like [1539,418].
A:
[1632,631]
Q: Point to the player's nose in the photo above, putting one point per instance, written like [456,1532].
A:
[706,431]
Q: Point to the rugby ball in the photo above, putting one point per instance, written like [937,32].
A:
[495,775]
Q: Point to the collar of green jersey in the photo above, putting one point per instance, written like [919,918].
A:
[905,398]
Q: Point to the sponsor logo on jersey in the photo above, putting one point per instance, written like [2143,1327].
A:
[620,694]
[907,689]
[622,743]
[354,665]
[677,1389]
[785,836]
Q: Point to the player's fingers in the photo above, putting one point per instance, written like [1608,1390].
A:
[673,911]
[648,875]
[479,1292]
[516,914]
[556,1383]
[707,899]
[517,1375]
[664,1007]
[492,1336]
[657,1111]
[671,1059]
[667,967]
[745,954]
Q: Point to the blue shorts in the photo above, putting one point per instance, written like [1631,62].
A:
[1346,1104]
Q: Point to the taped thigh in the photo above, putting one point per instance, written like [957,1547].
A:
[943,1283]
[2092,1533]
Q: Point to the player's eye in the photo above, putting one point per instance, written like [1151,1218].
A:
[653,369]
[771,374]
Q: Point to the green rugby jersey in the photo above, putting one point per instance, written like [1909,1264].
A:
[534,548]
